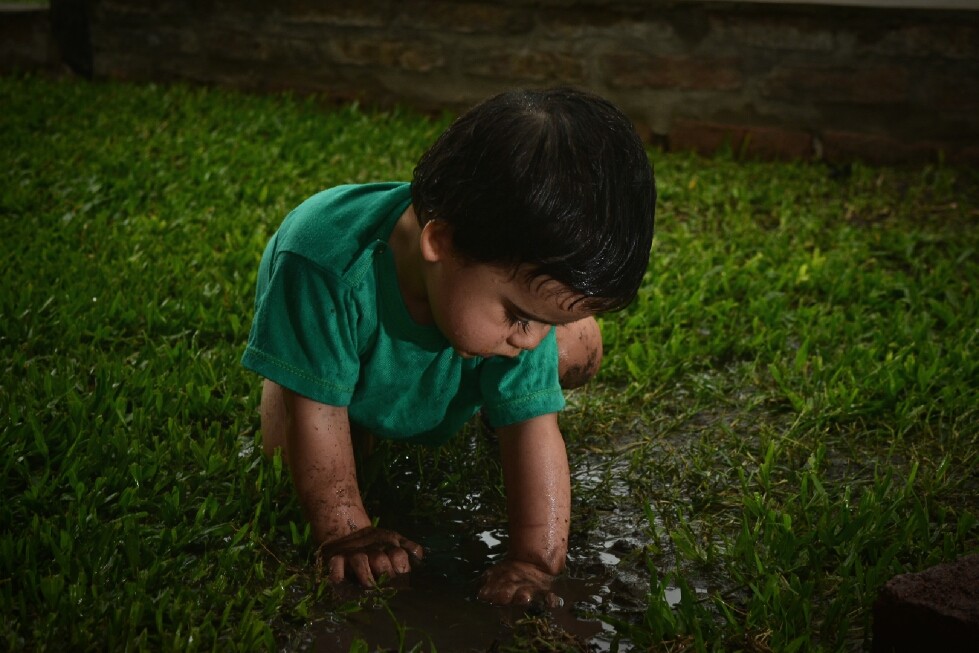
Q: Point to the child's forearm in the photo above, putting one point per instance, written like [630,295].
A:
[315,438]
[323,470]
[538,488]
[544,545]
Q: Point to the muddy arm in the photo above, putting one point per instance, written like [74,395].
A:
[538,489]
[321,461]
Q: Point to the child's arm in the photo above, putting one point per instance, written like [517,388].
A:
[538,489]
[322,464]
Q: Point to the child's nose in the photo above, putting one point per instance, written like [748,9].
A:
[530,338]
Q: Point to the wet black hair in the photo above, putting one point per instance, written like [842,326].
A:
[556,180]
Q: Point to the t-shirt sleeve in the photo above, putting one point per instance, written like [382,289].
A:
[304,334]
[517,389]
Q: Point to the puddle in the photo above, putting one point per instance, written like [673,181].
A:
[435,606]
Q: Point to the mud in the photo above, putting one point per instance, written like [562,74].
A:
[435,607]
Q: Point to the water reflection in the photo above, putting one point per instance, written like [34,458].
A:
[435,607]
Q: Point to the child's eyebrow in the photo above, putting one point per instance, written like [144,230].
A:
[527,315]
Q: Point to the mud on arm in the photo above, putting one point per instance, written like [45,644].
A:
[321,461]
[538,489]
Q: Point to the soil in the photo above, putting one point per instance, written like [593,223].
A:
[435,606]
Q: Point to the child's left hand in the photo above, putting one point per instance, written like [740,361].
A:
[538,489]
[518,583]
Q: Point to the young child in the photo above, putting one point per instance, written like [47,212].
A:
[400,310]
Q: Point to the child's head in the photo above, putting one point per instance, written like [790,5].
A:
[554,181]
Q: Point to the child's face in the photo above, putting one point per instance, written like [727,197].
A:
[485,310]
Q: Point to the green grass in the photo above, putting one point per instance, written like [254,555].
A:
[793,396]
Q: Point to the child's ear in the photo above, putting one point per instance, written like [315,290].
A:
[436,240]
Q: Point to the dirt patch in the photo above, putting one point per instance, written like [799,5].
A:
[435,607]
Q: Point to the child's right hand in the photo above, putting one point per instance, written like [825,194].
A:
[367,554]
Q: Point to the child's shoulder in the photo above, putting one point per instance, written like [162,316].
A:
[335,226]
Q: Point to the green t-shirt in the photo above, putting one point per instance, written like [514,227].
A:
[330,324]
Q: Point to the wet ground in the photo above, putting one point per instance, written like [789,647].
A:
[436,607]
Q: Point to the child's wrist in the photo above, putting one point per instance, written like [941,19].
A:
[340,526]
[549,562]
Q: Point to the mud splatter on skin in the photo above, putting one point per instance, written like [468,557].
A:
[576,376]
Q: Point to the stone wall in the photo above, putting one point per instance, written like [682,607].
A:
[25,38]
[772,80]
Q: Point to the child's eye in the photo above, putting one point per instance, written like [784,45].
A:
[513,320]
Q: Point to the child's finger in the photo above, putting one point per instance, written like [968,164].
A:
[336,565]
[380,564]
[552,600]
[412,549]
[360,567]
[399,560]
[523,596]
[497,595]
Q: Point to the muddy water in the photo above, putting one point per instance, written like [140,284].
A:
[436,607]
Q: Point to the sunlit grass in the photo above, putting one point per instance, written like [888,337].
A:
[793,395]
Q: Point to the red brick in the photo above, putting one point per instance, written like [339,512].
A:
[640,70]
[934,610]
[575,22]
[951,88]
[839,146]
[967,154]
[792,33]
[750,140]
[529,65]
[466,17]
[142,9]
[303,13]
[415,56]
[877,85]
[928,40]
[25,39]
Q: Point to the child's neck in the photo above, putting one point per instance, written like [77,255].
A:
[404,244]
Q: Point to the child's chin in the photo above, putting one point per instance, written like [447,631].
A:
[468,354]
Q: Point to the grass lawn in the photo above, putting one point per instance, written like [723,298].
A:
[790,408]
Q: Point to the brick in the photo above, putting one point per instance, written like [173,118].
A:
[613,24]
[949,87]
[640,70]
[841,146]
[301,14]
[129,7]
[123,40]
[934,610]
[528,65]
[25,39]
[261,48]
[944,38]
[861,79]
[797,34]
[750,140]
[465,17]
[108,18]
[846,84]
[574,22]
[966,154]
[412,55]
